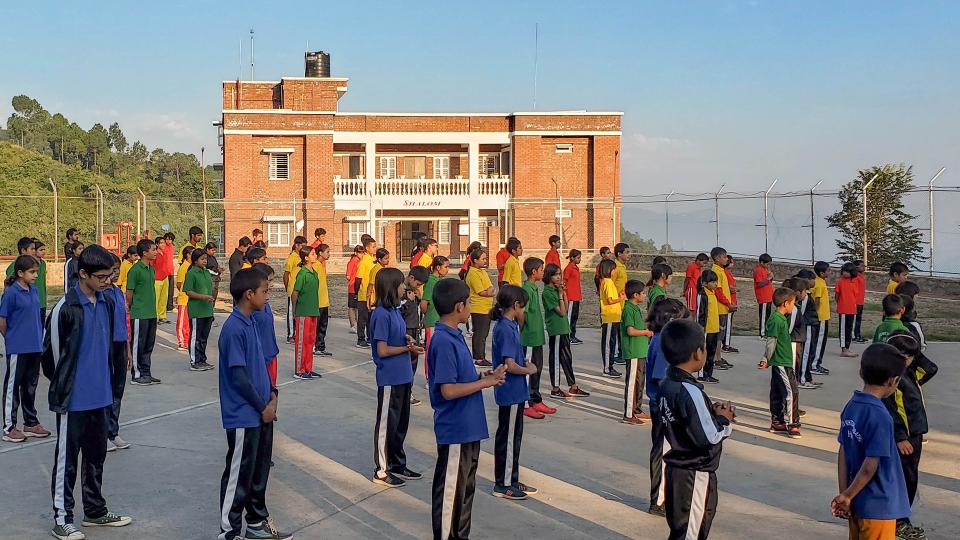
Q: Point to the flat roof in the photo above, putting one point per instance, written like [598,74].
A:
[440,114]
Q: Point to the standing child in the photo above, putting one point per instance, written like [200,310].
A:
[634,337]
[183,321]
[532,337]
[899,273]
[511,267]
[459,421]
[248,408]
[70,267]
[553,255]
[708,315]
[661,275]
[362,282]
[821,300]
[391,348]
[558,331]
[728,333]
[611,313]
[85,372]
[846,290]
[695,429]
[604,254]
[162,271]
[381,261]
[481,301]
[691,280]
[438,270]
[265,328]
[40,251]
[351,272]
[873,494]
[621,256]
[142,304]
[510,397]
[290,268]
[572,286]
[129,258]
[893,310]
[784,398]
[213,267]
[323,301]
[725,304]
[121,336]
[412,316]
[22,332]
[501,259]
[199,290]
[306,306]
[861,299]
[802,323]
[763,289]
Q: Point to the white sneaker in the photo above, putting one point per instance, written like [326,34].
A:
[353,330]
[119,443]
[807,386]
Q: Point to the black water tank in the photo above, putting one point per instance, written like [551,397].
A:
[316,64]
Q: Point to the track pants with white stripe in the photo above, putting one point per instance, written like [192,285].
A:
[726,329]
[506,448]
[454,483]
[846,330]
[559,358]
[390,429]
[183,327]
[608,344]
[143,339]
[857,322]
[536,358]
[814,345]
[291,318]
[713,347]
[658,439]
[243,486]
[691,503]
[363,318]
[199,335]
[113,417]
[784,396]
[633,386]
[765,310]
[83,434]
[20,389]
[573,315]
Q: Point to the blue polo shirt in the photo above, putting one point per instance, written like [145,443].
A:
[506,344]
[460,420]
[267,332]
[387,325]
[239,345]
[866,430]
[119,314]
[21,308]
[92,382]
[656,368]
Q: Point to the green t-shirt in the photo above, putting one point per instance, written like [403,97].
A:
[557,325]
[40,284]
[532,333]
[633,346]
[888,326]
[656,292]
[778,327]
[140,281]
[307,287]
[431,317]
[198,280]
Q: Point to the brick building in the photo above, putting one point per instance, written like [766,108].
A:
[294,162]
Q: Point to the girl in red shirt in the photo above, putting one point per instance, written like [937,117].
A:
[571,283]
[690,280]
[846,291]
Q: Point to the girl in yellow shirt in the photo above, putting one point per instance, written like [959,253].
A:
[611,310]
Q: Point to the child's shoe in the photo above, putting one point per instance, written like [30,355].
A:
[389,481]
[633,421]
[265,530]
[14,435]
[529,490]
[509,492]
[37,431]
[68,531]
[559,394]
[657,510]
[107,520]
[778,428]
[544,408]
[531,412]
[794,432]
[576,391]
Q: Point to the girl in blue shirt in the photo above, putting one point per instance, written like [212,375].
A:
[512,395]
[391,347]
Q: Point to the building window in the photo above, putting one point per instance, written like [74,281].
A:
[482,231]
[443,232]
[388,167]
[441,167]
[357,229]
[564,148]
[278,234]
[489,164]
[279,166]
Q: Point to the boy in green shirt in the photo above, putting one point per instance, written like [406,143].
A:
[634,339]
[198,286]
[661,274]
[558,330]
[532,336]
[892,312]
[784,399]
[142,306]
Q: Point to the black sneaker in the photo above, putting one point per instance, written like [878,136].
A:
[721,367]
[612,373]
[154,380]
[141,381]
[619,360]
[107,520]
[529,490]
[389,481]
[407,474]
[575,340]
[195,367]
[657,510]
[708,380]
[482,363]
[731,350]
[414,401]
[265,530]
[362,345]
[206,366]
[723,362]
[576,391]
[316,375]
[323,353]
[509,492]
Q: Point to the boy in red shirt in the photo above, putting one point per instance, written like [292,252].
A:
[553,255]
[690,281]
[571,284]
[861,279]
[763,288]
[846,290]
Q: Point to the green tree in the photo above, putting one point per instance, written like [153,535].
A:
[117,140]
[637,244]
[891,237]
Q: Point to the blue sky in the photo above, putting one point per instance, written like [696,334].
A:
[724,91]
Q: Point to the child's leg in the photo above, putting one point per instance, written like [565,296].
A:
[630,388]
[762,308]
[565,357]
[203,327]
[309,337]
[606,347]
[728,331]
[454,482]
[857,322]
[11,391]
[911,467]
[573,315]
[502,443]
[641,380]
[291,318]
[28,388]
[848,332]
[514,439]
[257,501]
[428,333]
[657,485]
[160,291]
[297,348]
[398,421]
[536,356]
[793,398]
[808,353]
[183,326]
[552,361]
[779,402]
[841,336]
[93,449]
[192,345]
[237,479]
[713,343]
[822,332]
[113,419]
[70,427]
[144,339]
[481,328]
[322,322]
[363,316]
[691,502]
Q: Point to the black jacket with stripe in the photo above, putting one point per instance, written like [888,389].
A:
[61,345]
[694,431]
[906,404]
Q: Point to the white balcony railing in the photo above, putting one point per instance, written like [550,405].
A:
[349,187]
[422,188]
[357,188]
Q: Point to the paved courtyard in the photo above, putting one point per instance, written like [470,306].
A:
[591,470]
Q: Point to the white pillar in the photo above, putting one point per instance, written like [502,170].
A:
[370,174]
[473,170]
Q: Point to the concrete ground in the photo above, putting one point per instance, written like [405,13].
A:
[591,470]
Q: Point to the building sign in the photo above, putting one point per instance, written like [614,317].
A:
[407,203]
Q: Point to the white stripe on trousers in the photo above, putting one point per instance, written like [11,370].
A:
[234,477]
[508,469]
[382,433]
[296,345]
[788,413]
[8,391]
[136,348]
[809,351]
[763,320]
[59,507]
[605,344]
[698,504]
[662,493]
[631,387]
[842,333]
[449,489]
[193,341]
[821,343]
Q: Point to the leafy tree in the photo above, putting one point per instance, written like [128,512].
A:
[117,140]
[637,244]
[890,235]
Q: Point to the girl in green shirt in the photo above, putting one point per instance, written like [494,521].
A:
[558,331]
[198,286]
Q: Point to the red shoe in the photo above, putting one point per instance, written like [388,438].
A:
[643,416]
[794,432]
[544,408]
[36,431]
[633,420]
[14,435]
[778,428]
[531,412]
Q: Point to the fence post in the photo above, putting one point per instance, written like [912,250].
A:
[143,196]
[716,210]
[99,213]
[865,186]
[56,211]
[766,238]
[813,225]
[203,182]
[933,227]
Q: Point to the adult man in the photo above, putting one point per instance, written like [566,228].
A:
[236,258]
[72,236]
[257,239]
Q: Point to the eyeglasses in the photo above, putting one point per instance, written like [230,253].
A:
[103,278]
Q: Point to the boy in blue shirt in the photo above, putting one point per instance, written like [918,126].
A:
[459,420]
[248,408]
[873,493]
[120,336]
[85,372]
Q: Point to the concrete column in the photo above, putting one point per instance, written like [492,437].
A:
[370,173]
[473,169]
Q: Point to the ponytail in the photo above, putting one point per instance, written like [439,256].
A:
[437,262]
[506,298]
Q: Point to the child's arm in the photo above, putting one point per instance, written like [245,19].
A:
[240,380]
[294,296]
[514,368]
[768,352]
[707,425]
[384,350]
[633,332]
[3,326]
[925,368]
[841,503]
[458,390]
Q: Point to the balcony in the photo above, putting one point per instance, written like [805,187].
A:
[404,193]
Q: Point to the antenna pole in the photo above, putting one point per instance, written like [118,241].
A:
[536,54]
[252,78]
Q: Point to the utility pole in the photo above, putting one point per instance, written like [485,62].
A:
[251,55]
[766,237]
[716,210]
[203,183]
[56,233]
[666,215]
[932,219]
[813,225]
[864,193]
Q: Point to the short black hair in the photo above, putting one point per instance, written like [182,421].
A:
[717,252]
[195,231]
[512,244]
[144,246]
[880,363]
[420,273]
[898,268]
[620,248]
[783,295]
[604,249]
[859,262]
[909,308]
[892,304]
[702,257]
[210,245]
[549,271]
[660,270]
[132,250]
[95,258]
[24,243]
[366,241]
[850,269]
[507,296]
[254,253]
[299,240]
[607,267]
[905,342]
[186,253]
[265,269]
[665,310]
[171,236]
[196,254]
[553,238]
[387,287]
[70,232]
[634,286]
[381,253]
[257,232]
[248,279]
[659,259]
[244,242]
[438,262]
[319,231]
[531,264]
[448,293]
[908,288]
[680,339]
[765,258]
[708,276]
[799,283]
[821,268]
[806,273]
[573,254]
[321,248]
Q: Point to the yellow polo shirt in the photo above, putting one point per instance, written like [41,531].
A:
[822,297]
[425,260]
[291,266]
[610,313]
[373,279]
[892,287]
[511,271]
[724,286]
[124,270]
[323,295]
[181,275]
[478,280]
[713,316]
[363,274]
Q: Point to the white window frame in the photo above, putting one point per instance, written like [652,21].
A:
[443,232]
[278,233]
[355,230]
[489,164]
[279,166]
[441,167]
[388,167]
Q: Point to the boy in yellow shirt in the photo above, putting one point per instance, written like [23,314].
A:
[611,311]
[429,252]
[511,268]
[290,268]
[725,304]
[708,315]
[381,261]
[363,277]
[323,298]
[898,274]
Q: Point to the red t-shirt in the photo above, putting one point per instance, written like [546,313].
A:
[352,265]
[163,264]
[571,279]
[733,282]
[690,292]
[861,289]
[502,257]
[764,292]
[553,257]
[415,259]
[846,290]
